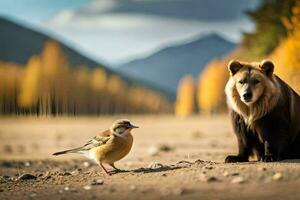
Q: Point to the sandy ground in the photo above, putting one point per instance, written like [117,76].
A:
[172,158]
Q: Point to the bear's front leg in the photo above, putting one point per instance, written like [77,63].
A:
[243,154]
[275,151]
[268,156]
[242,134]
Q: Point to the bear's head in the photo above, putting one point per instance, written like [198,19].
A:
[251,80]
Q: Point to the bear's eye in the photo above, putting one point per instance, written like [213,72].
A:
[242,82]
[255,81]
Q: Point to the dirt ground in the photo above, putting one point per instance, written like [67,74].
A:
[172,158]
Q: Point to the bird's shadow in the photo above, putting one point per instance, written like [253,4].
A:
[156,168]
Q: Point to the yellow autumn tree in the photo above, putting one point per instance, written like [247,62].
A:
[185,101]
[55,78]
[135,98]
[115,84]
[10,77]
[117,89]
[287,55]
[53,60]
[47,85]
[212,80]
[30,83]
[99,79]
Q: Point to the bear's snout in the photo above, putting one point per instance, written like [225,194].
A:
[247,96]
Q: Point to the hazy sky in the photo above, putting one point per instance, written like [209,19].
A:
[36,11]
[112,37]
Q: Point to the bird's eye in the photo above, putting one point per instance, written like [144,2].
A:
[120,130]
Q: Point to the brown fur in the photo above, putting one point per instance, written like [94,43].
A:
[269,123]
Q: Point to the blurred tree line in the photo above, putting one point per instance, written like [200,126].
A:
[276,36]
[48,85]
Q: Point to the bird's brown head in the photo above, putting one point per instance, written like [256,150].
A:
[122,126]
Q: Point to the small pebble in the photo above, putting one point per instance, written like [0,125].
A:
[27,164]
[205,178]
[165,148]
[86,164]
[26,177]
[65,174]
[155,165]
[67,188]
[238,180]
[47,173]
[199,161]
[97,182]
[75,172]
[132,187]
[277,176]
[183,163]
[235,174]
[226,173]
[87,187]
[209,167]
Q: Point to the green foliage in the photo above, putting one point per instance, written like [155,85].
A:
[269,26]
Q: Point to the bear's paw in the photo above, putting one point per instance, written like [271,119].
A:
[234,159]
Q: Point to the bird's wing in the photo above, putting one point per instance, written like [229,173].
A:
[96,141]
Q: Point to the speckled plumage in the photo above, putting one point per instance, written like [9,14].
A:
[109,146]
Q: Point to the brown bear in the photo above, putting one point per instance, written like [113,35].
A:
[265,113]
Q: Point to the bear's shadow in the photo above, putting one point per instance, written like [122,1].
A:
[290,161]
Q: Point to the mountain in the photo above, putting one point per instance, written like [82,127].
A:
[167,66]
[181,9]
[108,29]
[18,43]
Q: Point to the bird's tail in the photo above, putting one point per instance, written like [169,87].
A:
[75,150]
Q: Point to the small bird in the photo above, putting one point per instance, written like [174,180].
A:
[109,146]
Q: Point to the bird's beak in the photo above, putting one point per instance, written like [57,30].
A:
[133,126]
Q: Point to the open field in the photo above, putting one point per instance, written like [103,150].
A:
[172,158]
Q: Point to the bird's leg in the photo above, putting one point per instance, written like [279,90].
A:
[103,169]
[115,169]
[113,166]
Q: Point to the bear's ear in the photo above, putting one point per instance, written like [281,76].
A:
[234,66]
[267,67]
